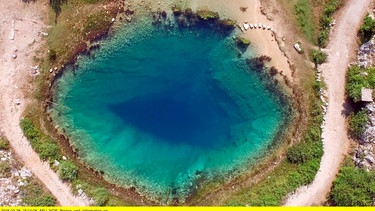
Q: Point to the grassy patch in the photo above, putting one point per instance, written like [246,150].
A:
[284,179]
[100,196]
[4,144]
[300,153]
[326,19]
[5,169]
[33,194]
[358,78]
[297,168]
[304,15]
[318,56]
[353,187]
[314,17]
[367,30]
[357,123]
[44,146]
[68,171]
[78,23]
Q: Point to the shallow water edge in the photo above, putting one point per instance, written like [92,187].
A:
[272,87]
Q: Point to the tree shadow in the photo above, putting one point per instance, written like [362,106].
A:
[348,107]
[56,6]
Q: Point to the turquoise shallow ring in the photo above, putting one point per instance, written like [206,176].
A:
[160,110]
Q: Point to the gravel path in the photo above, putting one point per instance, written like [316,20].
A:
[20,27]
[335,141]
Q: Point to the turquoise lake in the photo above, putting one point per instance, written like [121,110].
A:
[160,109]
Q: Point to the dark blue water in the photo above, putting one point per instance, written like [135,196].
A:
[158,109]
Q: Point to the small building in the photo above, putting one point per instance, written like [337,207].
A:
[366,95]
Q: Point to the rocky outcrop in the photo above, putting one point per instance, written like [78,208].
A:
[363,155]
[11,179]
[366,54]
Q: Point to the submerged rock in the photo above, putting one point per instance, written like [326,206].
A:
[188,13]
[227,24]
[177,11]
[242,42]
[207,15]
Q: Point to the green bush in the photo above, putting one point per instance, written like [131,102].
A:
[357,123]
[42,201]
[325,19]
[299,153]
[30,131]
[308,170]
[353,187]
[323,38]
[318,56]
[358,78]
[49,151]
[100,196]
[52,55]
[4,168]
[354,83]
[4,144]
[329,10]
[68,171]
[34,195]
[367,30]
[46,149]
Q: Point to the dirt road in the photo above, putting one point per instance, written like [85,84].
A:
[335,141]
[21,25]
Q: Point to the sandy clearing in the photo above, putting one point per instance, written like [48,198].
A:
[335,141]
[21,24]
[262,40]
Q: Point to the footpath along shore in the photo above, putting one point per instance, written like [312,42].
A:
[341,46]
[21,35]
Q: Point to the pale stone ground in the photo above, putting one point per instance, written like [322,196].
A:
[21,25]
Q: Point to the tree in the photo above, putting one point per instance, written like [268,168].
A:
[56,6]
[68,171]
[357,123]
[367,30]
[48,150]
[318,56]
[299,153]
[101,196]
